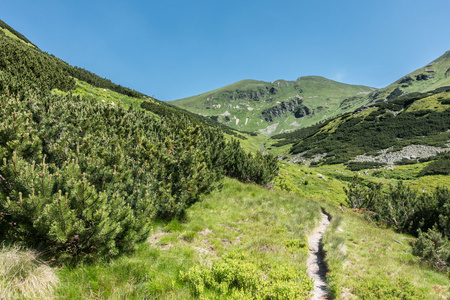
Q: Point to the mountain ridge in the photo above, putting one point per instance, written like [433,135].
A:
[276,106]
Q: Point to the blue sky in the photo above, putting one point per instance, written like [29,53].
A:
[178,48]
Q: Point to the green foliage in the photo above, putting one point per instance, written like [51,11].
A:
[433,248]
[85,177]
[439,166]
[256,167]
[24,66]
[408,211]
[349,135]
[357,166]
[383,287]
[299,243]
[400,206]
[82,177]
[237,276]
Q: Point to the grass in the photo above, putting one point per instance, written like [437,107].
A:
[24,276]
[365,261]
[241,218]
[359,252]
[250,230]
[12,35]
[106,95]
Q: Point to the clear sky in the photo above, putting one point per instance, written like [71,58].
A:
[172,49]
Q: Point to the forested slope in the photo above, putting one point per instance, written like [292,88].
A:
[80,176]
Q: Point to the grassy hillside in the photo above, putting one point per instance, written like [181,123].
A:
[279,106]
[428,78]
[241,219]
[381,128]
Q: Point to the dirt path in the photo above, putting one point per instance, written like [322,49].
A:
[316,267]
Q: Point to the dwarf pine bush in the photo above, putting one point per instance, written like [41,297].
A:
[424,215]
[81,177]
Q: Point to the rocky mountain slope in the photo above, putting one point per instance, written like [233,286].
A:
[279,106]
[407,120]
[434,75]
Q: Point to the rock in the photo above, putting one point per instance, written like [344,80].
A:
[407,153]
[294,105]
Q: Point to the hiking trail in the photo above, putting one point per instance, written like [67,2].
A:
[316,268]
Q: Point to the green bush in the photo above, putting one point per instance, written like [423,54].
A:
[426,215]
[439,166]
[81,177]
[237,276]
[357,166]
[433,248]
[384,287]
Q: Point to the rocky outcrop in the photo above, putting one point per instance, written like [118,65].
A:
[407,153]
[253,95]
[406,79]
[423,77]
[295,105]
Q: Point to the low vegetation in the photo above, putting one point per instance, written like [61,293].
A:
[24,276]
[424,215]
[83,177]
[242,227]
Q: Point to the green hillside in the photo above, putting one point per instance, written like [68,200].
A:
[379,132]
[274,107]
[434,75]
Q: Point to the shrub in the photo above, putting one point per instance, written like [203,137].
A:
[439,166]
[384,287]
[65,212]
[237,276]
[433,248]
[426,215]
[357,166]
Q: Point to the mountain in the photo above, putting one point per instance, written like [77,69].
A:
[407,120]
[278,106]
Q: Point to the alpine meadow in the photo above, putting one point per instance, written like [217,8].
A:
[304,189]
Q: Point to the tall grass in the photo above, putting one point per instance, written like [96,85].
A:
[24,276]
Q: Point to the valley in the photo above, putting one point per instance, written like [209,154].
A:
[107,193]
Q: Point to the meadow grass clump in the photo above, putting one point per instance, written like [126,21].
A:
[238,276]
[24,276]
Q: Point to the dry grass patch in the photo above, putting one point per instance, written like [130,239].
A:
[23,275]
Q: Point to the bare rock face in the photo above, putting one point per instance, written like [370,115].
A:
[407,153]
[295,105]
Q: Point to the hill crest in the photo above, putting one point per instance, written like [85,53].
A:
[277,106]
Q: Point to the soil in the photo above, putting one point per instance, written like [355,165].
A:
[315,264]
